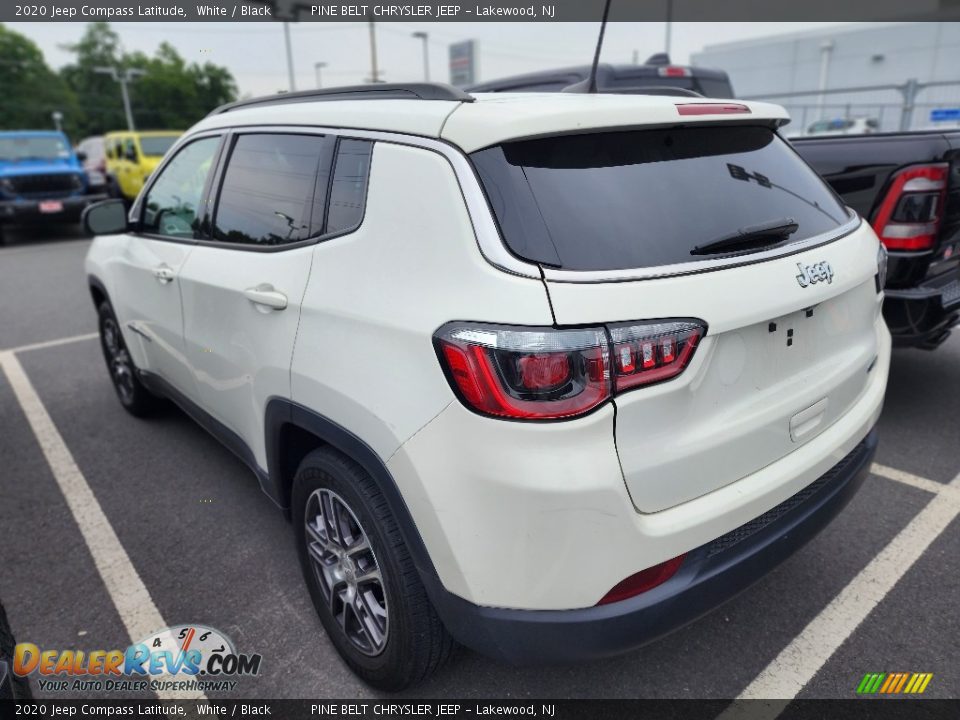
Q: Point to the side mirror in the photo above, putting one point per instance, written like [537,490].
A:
[81,156]
[107,217]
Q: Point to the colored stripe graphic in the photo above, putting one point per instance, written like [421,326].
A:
[894,683]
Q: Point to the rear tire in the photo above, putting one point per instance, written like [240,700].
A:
[353,556]
[135,398]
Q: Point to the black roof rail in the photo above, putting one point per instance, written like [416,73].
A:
[378,91]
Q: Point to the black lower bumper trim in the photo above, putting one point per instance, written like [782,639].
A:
[709,576]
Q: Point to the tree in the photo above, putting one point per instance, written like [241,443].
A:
[31,90]
[172,94]
[99,95]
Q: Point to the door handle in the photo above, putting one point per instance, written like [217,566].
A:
[163,274]
[266,296]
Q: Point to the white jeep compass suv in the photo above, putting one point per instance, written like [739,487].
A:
[548,375]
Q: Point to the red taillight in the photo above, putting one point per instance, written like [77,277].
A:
[527,373]
[661,351]
[549,373]
[909,216]
[673,71]
[711,109]
[642,581]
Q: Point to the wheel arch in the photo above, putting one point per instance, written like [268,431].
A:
[98,291]
[293,431]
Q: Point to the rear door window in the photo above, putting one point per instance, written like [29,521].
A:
[640,199]
[269,194]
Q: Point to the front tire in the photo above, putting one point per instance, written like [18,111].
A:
[361,577]
[134,397]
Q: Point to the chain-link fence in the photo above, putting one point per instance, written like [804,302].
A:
[889,108]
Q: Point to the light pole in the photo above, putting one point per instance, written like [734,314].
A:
[124,77]
[374,73]
[317,67]
[286,36]
[426,54]
[669,26]
[57,120]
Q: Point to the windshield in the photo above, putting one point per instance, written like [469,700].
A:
[33,147]
[157,144]
[619,200]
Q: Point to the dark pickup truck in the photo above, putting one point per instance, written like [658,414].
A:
[907,185]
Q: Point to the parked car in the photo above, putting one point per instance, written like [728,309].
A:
[41,179]
[908,186]
[843,126]
[12,686]
[657,74]
[132,156]
[425,374]
[91,152]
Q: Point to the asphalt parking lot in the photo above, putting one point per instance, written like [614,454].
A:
[877,591]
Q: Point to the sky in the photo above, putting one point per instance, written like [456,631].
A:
[255,52]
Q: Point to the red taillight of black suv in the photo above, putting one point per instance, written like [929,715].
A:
[549,374]
[909,215]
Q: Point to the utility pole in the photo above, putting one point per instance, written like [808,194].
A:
[317,67]
[426,54]
[286,35]
[669,26]
[374,73]
[124,77]
[57,120]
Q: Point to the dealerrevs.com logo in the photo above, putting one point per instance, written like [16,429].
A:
[178,658]
[895,683]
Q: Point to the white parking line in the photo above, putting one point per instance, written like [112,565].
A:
[51,343]
[907,479]
[809,651]
[127,591]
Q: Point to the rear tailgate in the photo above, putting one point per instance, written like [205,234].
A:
[618,221]
[778,365]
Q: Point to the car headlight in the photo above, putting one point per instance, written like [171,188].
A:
[881,267]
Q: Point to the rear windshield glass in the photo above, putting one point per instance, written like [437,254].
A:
[610,201]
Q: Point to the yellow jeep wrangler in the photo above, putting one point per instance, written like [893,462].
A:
[132,156]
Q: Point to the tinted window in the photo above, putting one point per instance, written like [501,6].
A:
[647,198]
[171,205]
[349,189]
[157,145]
[33,147]
[269,193]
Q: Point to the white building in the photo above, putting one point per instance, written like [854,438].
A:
[794,68]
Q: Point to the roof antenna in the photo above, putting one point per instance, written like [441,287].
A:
[590,84]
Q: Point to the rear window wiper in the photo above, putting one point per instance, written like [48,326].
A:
[753,237]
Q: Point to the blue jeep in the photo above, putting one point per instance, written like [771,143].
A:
[41,179]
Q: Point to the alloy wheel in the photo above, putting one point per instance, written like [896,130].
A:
[118,360]
[347,571]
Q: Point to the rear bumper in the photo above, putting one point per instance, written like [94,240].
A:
[709,576]
[28,211]
[923,316]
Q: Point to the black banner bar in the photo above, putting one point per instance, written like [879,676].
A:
[859,709]
[491,11]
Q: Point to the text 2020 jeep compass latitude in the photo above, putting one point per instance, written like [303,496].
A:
[549,375]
